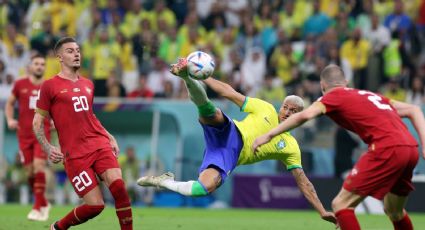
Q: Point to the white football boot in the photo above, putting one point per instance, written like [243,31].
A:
[35,215]
[155,181]
[45,211]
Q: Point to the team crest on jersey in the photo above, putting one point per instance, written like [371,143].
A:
[354,172]
[76,90]
[280,145]
[88,90]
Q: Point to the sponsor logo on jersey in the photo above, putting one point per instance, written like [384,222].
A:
[64,91]
[280,145]
[76,90]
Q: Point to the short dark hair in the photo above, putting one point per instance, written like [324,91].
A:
[62,41]
[37,55]
[333,75]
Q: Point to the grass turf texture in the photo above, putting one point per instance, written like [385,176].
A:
[14,217]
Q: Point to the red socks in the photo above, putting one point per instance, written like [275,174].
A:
[80,215]
[85,212]
[403,224]
[31,182]
[347,219]
[122,204]
[39,187]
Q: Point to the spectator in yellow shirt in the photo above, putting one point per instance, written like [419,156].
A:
[63,15]
[104,61]
[11,37]
[283,61]
[161,12]
[393,91]
[356,52]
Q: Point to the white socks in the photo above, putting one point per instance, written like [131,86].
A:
[184,188]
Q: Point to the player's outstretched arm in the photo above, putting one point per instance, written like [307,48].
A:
[12,123]
[415,115]
[309,192]
[225,90]
[54,153]
[295,120]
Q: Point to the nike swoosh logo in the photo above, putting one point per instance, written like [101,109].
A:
[266,119]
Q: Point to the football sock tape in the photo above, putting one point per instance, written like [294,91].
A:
[198,189]
[207,110]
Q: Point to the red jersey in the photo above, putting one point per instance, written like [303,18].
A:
[26,94]
[69,104]
[369,115]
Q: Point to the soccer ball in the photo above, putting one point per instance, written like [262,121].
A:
[200,65]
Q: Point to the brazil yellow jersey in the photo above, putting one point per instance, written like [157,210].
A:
[261,118]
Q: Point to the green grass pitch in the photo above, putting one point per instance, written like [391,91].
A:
[14,217]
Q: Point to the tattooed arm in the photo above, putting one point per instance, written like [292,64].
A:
[53,152]
[309,192]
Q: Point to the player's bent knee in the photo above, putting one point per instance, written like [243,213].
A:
[39,168]
[337,204]
[112,175]
[394,215]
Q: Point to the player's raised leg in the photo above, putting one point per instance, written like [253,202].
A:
[93,206]
[209,180]
[208,113]
[343,206]
[113,179]
[394,209]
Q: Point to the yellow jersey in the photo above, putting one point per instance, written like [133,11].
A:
[262,118]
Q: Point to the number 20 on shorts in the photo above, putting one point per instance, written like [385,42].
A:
[82,181]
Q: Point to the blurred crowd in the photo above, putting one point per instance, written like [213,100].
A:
[266,48]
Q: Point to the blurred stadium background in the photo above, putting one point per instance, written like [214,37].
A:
[266,49]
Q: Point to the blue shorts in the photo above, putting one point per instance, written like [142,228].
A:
[223,146]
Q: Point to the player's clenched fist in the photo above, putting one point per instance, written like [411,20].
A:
[329,216]
[12,124]
[55,155]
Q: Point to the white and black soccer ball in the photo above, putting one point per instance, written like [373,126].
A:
[200,65]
